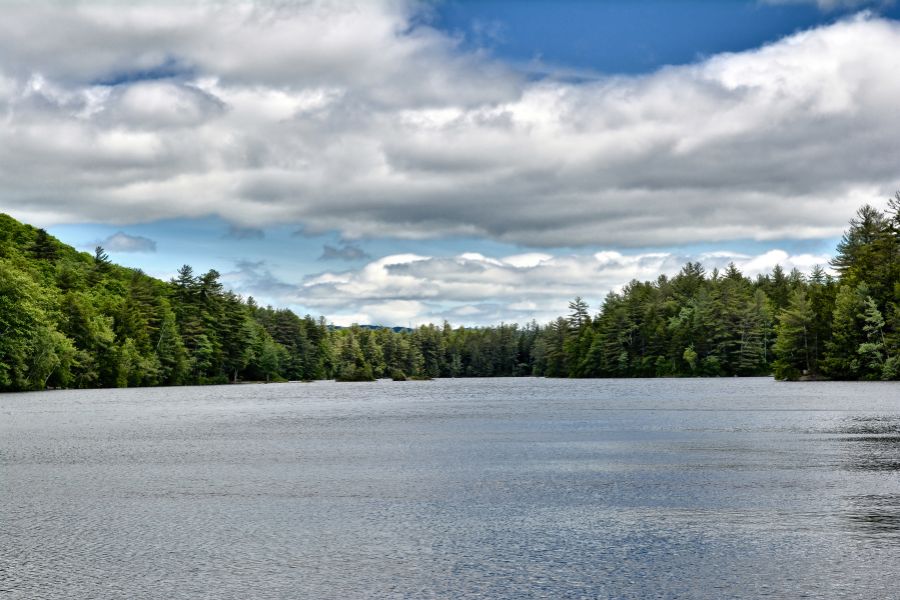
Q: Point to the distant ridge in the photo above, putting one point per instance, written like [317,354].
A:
[374,328]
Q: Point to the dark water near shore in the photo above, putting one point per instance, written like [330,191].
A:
[496,488]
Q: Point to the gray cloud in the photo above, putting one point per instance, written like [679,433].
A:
[348,252]
[358,118]
[122,242]
[244,233]
[254,278]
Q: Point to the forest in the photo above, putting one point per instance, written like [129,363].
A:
[71,319]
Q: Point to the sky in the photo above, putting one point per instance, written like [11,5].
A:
[399,162]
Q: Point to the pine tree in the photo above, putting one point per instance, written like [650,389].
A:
[842,360]
[44,247]
[792,347]
[873,350]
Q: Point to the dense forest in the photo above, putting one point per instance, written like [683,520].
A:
[70,319]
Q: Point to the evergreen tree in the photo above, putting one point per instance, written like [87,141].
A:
[44,247]
[792,347]
[842,361]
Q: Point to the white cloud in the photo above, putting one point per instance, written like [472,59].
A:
[529,259]
[156,105]
[835,4]
[357,117]
[473,289]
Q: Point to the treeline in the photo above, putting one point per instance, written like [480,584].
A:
[74,320]
[70,319]
[724,324]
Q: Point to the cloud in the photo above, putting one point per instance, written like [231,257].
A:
[473,289]
[348,252]
[158,105]
[244,233]
[122,242]
[829,5]
[360,118]
[254,278]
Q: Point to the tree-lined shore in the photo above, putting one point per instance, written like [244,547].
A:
[70,319]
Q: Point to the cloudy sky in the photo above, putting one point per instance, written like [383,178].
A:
[400,162]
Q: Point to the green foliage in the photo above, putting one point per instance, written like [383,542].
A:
[353,364]
[690,357]
[793,336]
[32,350]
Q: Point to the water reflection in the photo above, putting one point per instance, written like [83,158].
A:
[875,515]
[872,445]
[871,424]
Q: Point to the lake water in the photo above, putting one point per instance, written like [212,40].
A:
[495,488]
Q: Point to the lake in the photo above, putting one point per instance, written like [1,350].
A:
[491,488]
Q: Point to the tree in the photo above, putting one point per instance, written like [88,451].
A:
[873,350]
[854,251]
[52,355]
[32,350]
[44,247]
[754,324]
[842,360]
[554,354]
[690,357]
[578,313]
[793,332]
[353,365]
[101,258]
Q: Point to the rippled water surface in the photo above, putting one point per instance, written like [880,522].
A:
[498,488]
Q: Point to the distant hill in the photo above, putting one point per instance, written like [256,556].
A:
[375,327]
